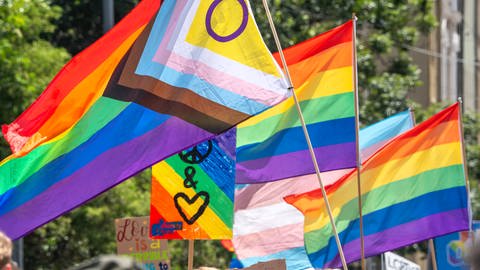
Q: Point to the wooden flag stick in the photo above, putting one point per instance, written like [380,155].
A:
[357,145]
[305,132]
[191,246]
[431,247]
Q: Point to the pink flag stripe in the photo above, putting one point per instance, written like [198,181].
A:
[287,238]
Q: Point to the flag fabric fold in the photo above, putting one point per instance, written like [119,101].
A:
[271,146]
[132,99]
[409,186]
[261,214]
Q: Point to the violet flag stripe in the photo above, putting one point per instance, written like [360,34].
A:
[296,163]
[393,238]
[68,194]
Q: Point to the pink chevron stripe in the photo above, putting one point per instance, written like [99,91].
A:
[258,195]
[214,76]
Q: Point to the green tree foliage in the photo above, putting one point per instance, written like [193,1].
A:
[384,28]
[27,62]
[88,231]
[81,22]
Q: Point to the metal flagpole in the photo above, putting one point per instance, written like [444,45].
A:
[108,15]
[357,143]
[191,243]
[305,132]
[412,114]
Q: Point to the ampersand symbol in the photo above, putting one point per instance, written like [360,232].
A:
[194,155]
[189,174]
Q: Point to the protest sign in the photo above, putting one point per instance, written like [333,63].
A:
[395,262]
[132,235]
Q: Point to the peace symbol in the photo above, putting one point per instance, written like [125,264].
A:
[194,155]
[236,33]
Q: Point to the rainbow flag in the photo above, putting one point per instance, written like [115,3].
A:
[261,213]
[192,192]
[164,79]
[162,179]
[409,187]
[271,146]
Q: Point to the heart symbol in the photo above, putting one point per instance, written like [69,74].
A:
[182,196]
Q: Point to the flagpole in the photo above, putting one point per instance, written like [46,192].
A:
[305,132]
[357,143]
[431,247]
[465,168]
[191,244]
[412,114]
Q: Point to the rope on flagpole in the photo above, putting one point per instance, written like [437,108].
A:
[305,132]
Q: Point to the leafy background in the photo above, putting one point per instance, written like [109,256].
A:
[37,37]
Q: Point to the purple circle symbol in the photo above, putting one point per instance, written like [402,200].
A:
[236,33]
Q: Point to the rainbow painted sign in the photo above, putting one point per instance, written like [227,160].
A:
[192,192]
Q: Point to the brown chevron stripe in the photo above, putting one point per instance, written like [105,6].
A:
[164,98]
[161,105]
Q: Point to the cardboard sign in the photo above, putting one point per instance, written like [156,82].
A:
[270,265]
[396,262]
[193,191]
[133,240]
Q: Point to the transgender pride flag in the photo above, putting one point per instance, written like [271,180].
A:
[262,216]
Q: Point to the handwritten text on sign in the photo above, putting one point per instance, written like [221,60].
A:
[133,240]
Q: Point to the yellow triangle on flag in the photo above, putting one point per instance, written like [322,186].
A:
[228,29]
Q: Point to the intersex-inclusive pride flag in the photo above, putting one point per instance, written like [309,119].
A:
[271,146]
[412,189]
[261,214]
[162,80]
[192,192]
